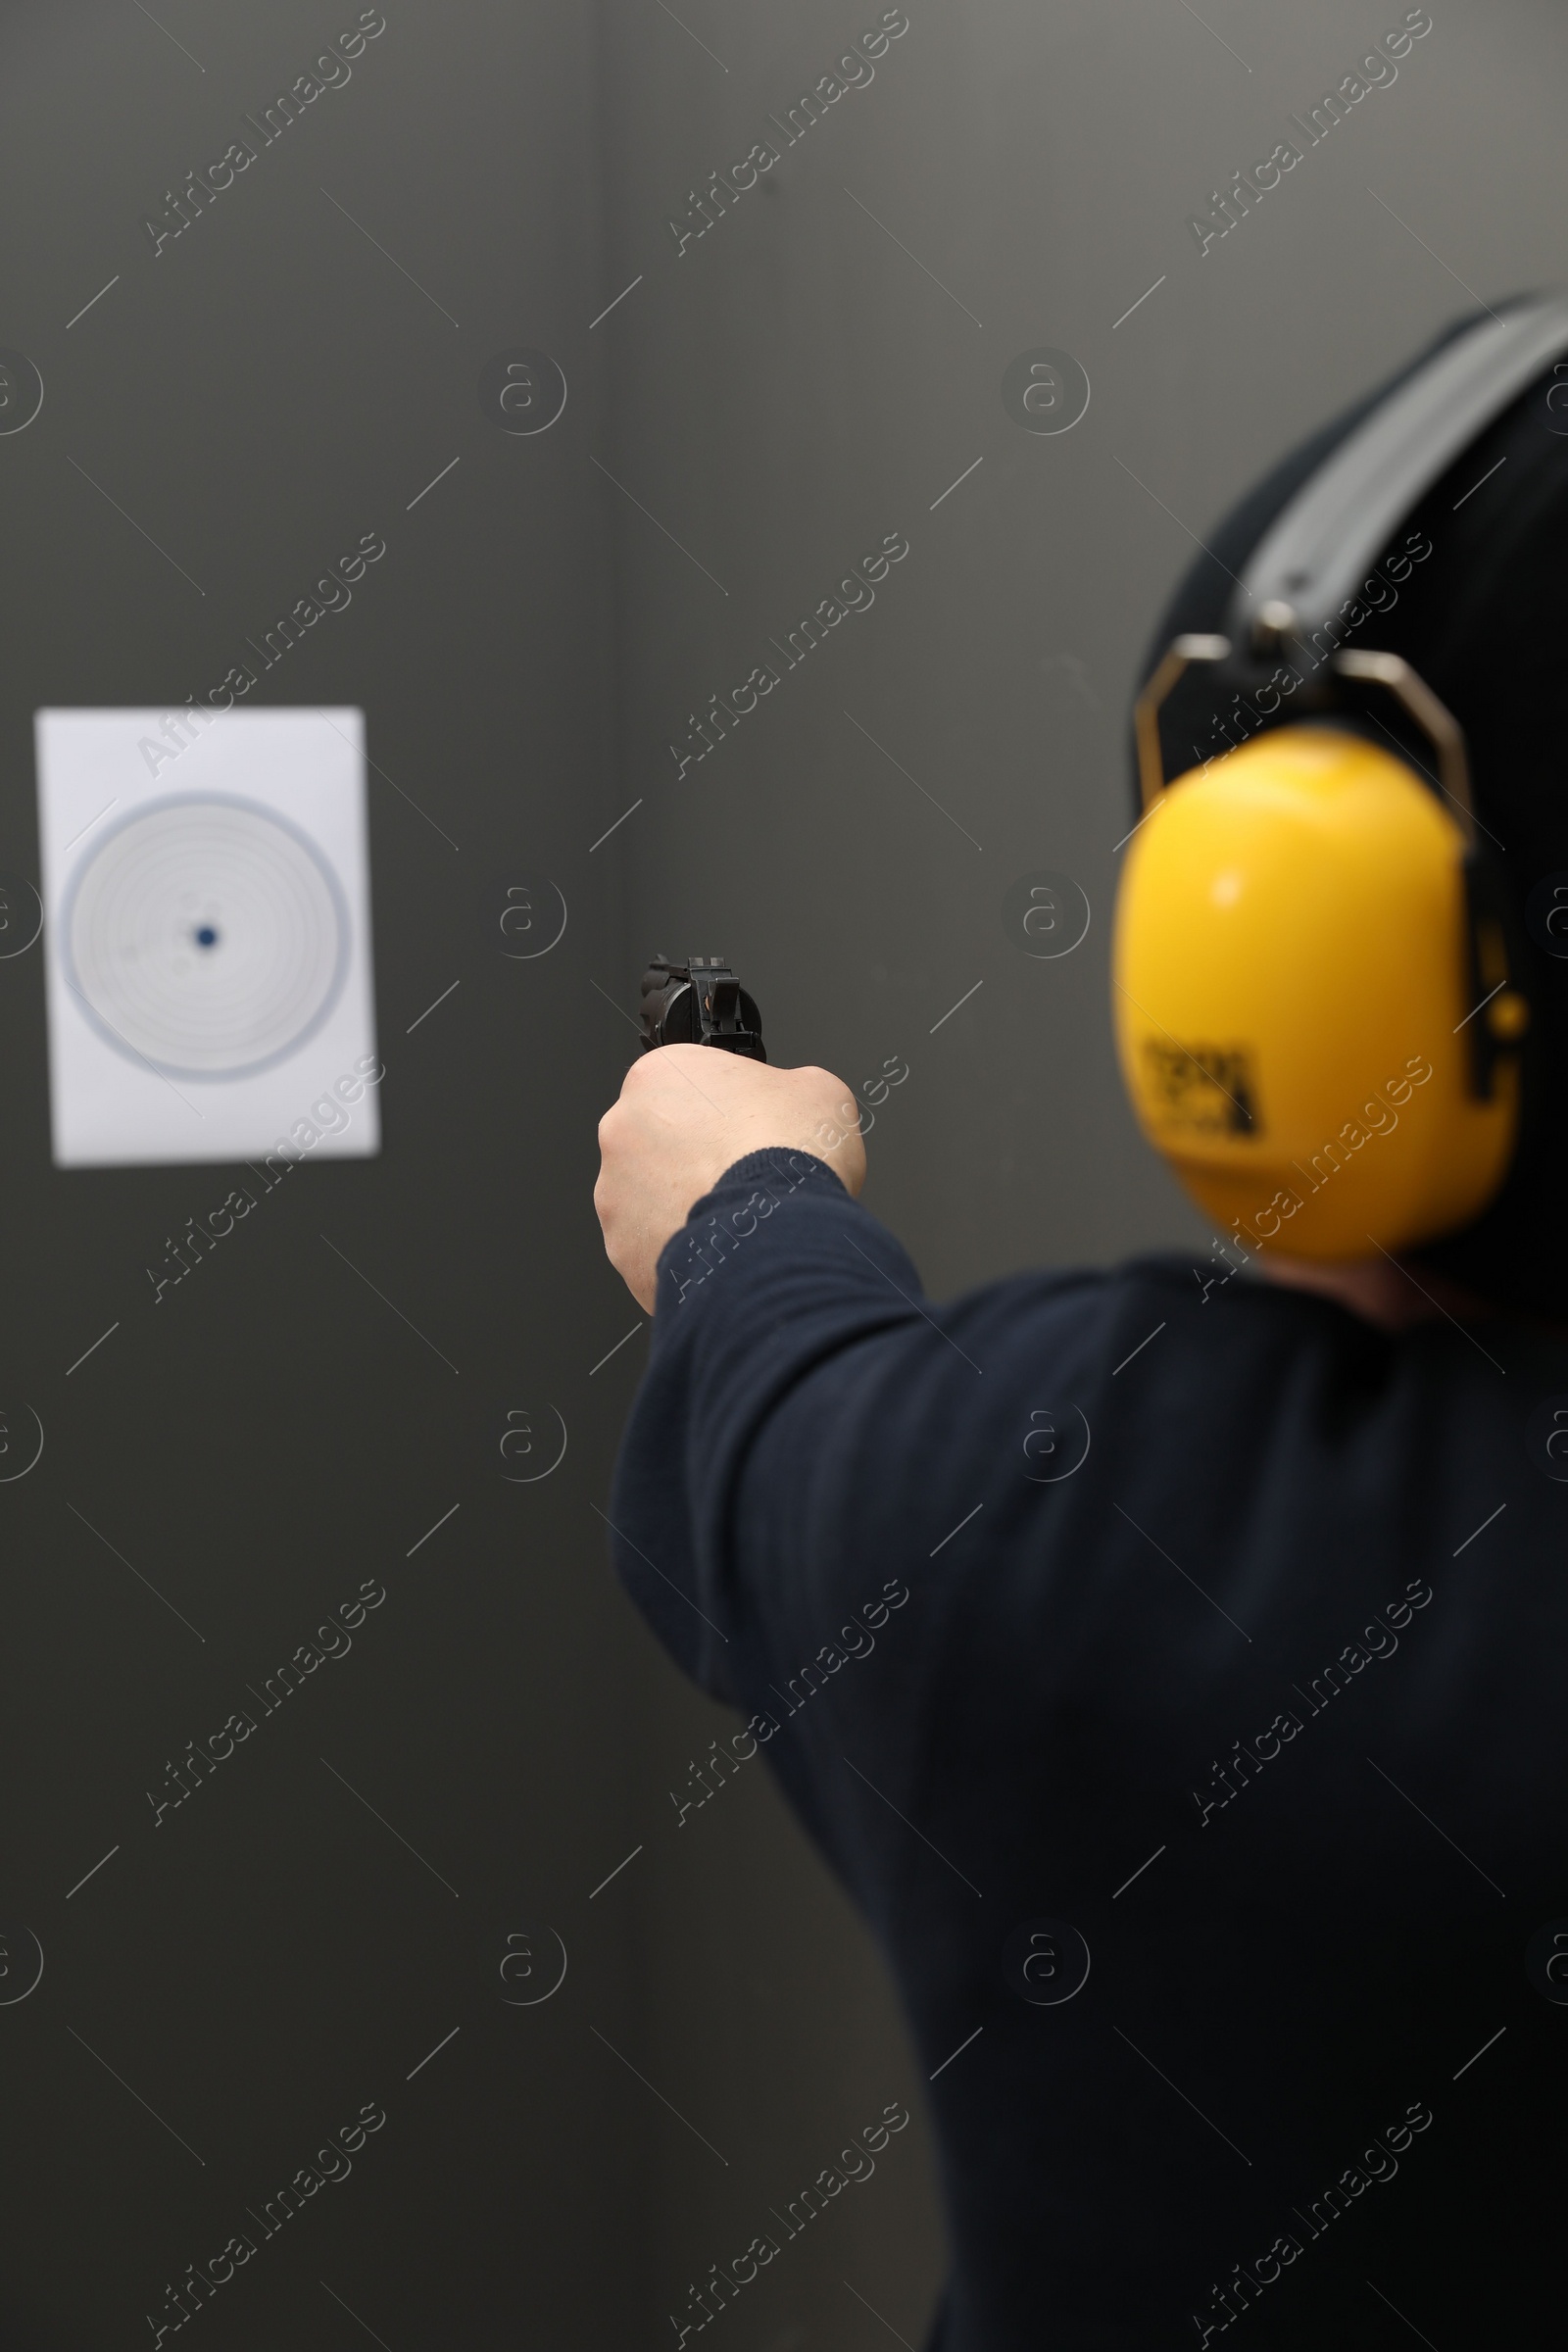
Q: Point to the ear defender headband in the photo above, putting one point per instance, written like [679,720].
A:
[1314,1012]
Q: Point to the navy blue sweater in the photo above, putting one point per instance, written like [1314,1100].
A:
[1172,1668]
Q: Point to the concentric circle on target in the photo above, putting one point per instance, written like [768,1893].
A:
[1046,914]
[206,936]
[1045,1962]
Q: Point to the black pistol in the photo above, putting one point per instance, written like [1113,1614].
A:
[698,1002]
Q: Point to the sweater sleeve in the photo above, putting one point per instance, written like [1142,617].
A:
[813,1444]
[778,1278]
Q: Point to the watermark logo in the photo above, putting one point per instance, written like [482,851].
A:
[527,920]
[21,1965]
[21,1442]
[1557,406]
[1045,1962]
[524,1966]
[183,204]
[21,391]
[1376,71]
[1055,1444]
[521,389]
[532,1444]
[1044,390]
[1547,907]
[855,593]
[1546,1962]
[1046,914]
[20,916]
[708,205]
[1546,1438]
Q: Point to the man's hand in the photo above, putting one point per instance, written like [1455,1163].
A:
[686,1113]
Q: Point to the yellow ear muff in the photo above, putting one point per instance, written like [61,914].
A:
[1293,999]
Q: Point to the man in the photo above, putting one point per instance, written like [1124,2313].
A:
[1206,1789]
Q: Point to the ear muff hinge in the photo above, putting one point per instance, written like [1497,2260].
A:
[1145,710]
[1435,719]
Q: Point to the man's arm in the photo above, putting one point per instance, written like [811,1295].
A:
[812,1434]
[685,1115]
[779,1309]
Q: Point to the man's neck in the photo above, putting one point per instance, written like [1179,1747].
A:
[1382,1290]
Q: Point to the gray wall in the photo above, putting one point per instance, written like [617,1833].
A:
[232,1985]
[794,385]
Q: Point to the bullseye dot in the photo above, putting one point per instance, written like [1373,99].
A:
[207,937]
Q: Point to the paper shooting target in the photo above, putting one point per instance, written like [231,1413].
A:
[207,936]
